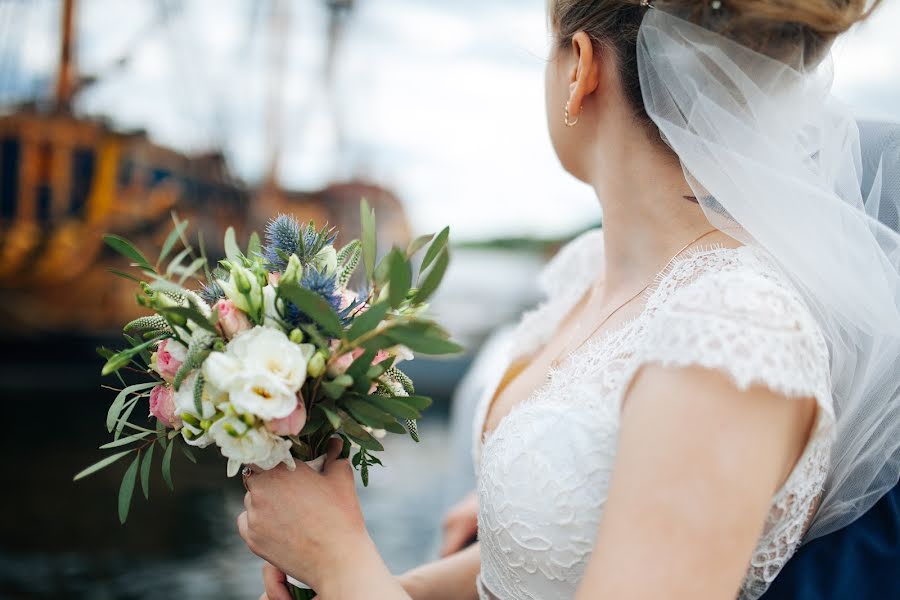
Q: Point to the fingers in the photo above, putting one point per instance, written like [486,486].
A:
[334,449]
[275,583]
[264,597]
[243,527]
[455,537]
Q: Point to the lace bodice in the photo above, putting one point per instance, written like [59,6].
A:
[544,472]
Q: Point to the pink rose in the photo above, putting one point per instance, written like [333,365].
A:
[169,356]
[340,364]
[162,406]
[291,424]
[232,320]
[381,356]
[347,298]
[274,278]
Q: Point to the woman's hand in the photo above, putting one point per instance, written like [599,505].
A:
[460,524]
[310,526]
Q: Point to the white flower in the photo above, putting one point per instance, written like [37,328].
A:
[271,317]
[271,351]
[242,444]
[261,394]
[186,409]
[220,368]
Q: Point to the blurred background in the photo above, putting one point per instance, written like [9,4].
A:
[114,113]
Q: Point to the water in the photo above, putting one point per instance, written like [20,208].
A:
[60,539]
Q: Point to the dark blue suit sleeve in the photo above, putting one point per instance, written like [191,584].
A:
[858,562]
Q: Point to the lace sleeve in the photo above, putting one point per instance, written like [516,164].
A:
[750,326]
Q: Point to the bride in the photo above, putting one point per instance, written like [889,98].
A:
[712,379]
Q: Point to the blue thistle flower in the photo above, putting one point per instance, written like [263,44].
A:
[323,285]
[283,238]
[212,292]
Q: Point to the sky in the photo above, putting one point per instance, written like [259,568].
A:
[439,100]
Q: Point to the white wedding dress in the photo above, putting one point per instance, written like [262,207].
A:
[544,472]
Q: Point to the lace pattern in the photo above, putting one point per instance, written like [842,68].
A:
[544,472]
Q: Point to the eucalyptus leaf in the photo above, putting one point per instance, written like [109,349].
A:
[431,279]
[332,416]
[423,341]
[192,269]
[126,490]
[394,406]
[186,450]
[167,466]
[126,440]
[145,471]
[115,408]
[124,274]
[439,243]
[368,238]
[418,243]
[368,414]
[359,435]
[171,239]
[100,464]
[127,249]
[232,251]
[129,408]
[175,264]
[399,277]
[314,306]
[368,320]
[254,247]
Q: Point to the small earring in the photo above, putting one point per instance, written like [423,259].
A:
[566,113]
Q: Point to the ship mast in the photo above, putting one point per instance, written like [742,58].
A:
[65,80]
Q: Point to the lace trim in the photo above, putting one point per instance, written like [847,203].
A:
[727,309]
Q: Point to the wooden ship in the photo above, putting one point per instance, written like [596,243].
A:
[66,179]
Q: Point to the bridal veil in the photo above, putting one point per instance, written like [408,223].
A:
[775,161]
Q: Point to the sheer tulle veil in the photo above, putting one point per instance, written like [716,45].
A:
[775,162]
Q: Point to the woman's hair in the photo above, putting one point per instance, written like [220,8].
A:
[782,29]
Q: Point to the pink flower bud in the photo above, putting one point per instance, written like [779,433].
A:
[232,320]
[162,406]
[169,357]
[291,424]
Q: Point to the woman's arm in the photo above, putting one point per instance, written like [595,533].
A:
[450,578]
[697,465]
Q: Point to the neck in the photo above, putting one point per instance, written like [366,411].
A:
[648,213]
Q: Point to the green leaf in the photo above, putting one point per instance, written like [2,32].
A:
[167,466]
[124,274]
[254,247]
[119,360]
[126,249]
[359,435]
[357,370]
[120,425]
[101,464]
[332,416]
[423,341]
[171,239]
[189,312]
[399,277]
[367,414]
[116,407]
[126,490]
[430,280]
[176,262]
[186,450]
[417,244]
[368,320]
[368,238]
[314,306]
[192,268]
[126,440]
[440,241]
[394,406]
[232,251]
[145,471]
[420,403]
[333,390]
[314,423]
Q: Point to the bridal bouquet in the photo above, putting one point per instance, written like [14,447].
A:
[271,354]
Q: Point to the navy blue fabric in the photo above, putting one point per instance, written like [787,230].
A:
[858,562]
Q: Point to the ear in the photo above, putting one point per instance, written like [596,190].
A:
[584,78]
